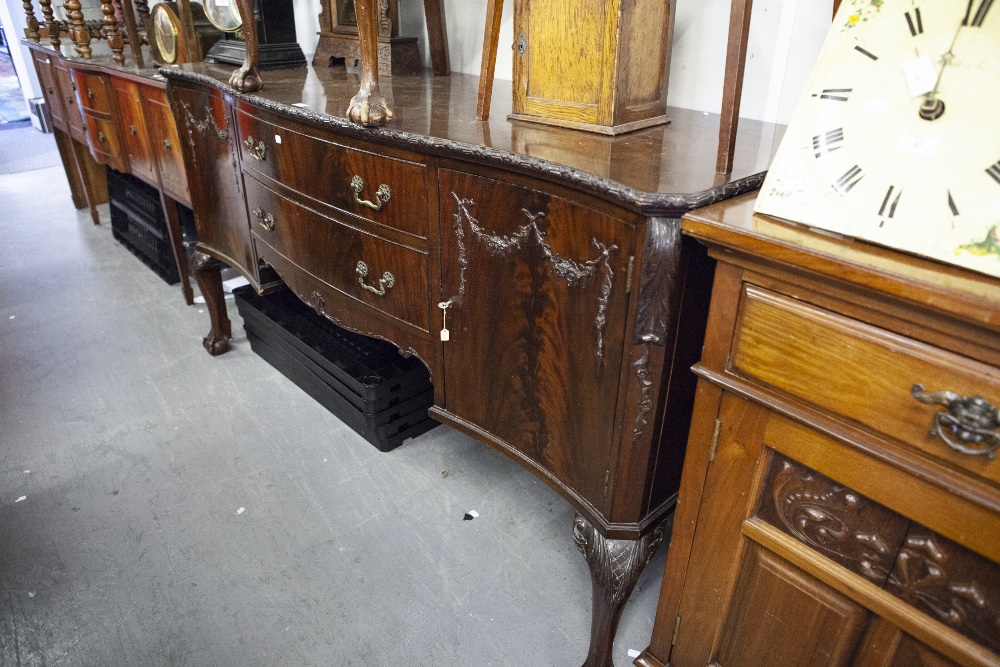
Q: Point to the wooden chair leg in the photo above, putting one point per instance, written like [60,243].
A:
[491,34]
[437,37]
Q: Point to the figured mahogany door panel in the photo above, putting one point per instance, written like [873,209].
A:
[204,120]
[67,90]
[133,126]
[853,369]
[46,76]
[166,145]
[832,519]
[369,184]
[950,584]
[538,294]
[780,615]
[387,276]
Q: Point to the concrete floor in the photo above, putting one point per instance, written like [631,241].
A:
[162,507]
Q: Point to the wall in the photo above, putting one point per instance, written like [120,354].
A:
[14,23]
[785,37]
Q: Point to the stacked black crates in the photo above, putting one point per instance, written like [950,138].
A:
[138,223]
[381,395]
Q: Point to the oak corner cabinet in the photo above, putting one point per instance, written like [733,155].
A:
[840,500]
[539,273]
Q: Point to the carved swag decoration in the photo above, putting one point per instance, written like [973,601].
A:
[573,272]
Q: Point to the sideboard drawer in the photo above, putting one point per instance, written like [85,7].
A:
[386,190]
[106,144]
[862,372]
[389,277]
[94,92]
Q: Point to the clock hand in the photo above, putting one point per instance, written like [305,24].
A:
[932,107]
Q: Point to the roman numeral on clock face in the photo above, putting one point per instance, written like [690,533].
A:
[835,94]
[994,171]
[827,142]
[888,208]
[914,22]
[951,204]
[848,180]
[976,18]
[865,53]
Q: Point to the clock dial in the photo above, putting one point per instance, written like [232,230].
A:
[897,138]
[165,28]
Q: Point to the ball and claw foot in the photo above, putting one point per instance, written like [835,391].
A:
[246,79]
[215,345]
[369,108]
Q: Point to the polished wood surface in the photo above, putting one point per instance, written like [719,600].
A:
[825,515]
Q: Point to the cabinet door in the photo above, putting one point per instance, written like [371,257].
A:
[204,119]
[46,76]
[166,145]
[67,90]
[133,125]
[538,289]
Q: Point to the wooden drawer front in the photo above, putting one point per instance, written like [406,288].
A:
[331,251]
[166,145]
[324,170]
[54,101]
[133,126]
[106,143]
[859,371]
[67,90]
[94,92]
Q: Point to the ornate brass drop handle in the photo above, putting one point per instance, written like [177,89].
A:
[257,150]
[382,195]
[969,425]
[265,220]
[386,282]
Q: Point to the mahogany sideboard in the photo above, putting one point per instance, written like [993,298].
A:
[115,115]
[538,272]
[840,500]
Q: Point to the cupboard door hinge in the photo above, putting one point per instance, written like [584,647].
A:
[715,440]
[628,275]
[677,629]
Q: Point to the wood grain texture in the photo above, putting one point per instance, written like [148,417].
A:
[166,145]
[488,62]
[137,141]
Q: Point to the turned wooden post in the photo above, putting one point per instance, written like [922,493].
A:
[51,24]
[31,30]
[112,32]
[78,31]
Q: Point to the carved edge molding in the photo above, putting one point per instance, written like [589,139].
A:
[573,272]
[648,203]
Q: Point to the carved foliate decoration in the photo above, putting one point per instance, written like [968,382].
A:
[642,375]
[573,272]
[655,313]
[950,583]
[203,126]
[839,523]
[615,564]
[316,302]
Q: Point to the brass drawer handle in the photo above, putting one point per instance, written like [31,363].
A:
[968,426]
[382,195]
[131,128]
[166,144]
[90,93]
[257,150]
[100,137]
[384,285]
[265,220]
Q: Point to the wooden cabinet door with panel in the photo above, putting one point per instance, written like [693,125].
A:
[129,96]
[166,145]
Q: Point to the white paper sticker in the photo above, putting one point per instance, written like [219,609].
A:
[921,75]
[277,138]
[918,144]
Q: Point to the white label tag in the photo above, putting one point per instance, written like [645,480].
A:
[444,335]
[921,76]
[277,138]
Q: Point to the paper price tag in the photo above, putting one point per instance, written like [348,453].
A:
[921,75]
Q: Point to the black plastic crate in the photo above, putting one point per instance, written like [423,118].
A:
[137,222]
[318,356]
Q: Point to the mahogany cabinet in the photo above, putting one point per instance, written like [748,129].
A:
[96,101]
[840,501]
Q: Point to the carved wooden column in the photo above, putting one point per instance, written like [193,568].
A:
[112,32]
[208,272]
[615,566]
[31,29]
[78,31]
[50,23]
[368,107]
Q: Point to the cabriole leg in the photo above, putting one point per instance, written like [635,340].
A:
[615,566]
[208,271]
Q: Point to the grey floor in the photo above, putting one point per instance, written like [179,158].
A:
[162,507]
